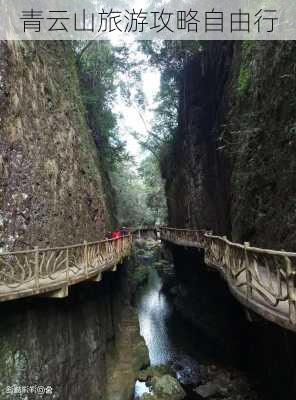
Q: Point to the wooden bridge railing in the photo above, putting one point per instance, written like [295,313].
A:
[262,279]
[24,273]
[53,270]
[190,237]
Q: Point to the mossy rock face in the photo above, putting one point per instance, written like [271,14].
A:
[167,388]
[149,396]
[141,355]
[140,276]
[140,243]
[140,252]
[155,372]
[55,172]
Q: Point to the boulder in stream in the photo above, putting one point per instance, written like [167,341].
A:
[149,396]
[188,371]
[167,388]
[154,372]
[207,390]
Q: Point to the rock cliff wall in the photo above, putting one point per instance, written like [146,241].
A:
[231,168]
[51,190]
[75,345]
[260,141]
[194,170]
[262,348]
[232,163]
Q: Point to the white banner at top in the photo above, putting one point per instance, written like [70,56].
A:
[145,20]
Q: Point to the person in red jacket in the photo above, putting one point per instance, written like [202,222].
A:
[115,234]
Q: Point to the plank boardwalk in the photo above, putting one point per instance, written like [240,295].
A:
[262,280]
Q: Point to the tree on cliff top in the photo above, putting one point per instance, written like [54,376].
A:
[170,57]
[98,69]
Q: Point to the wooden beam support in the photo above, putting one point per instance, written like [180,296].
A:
[58,293]
[114,269]
[97,278]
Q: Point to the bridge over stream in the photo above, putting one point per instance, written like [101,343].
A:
[262,280]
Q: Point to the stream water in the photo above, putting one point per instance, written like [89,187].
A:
[171,340]
[168,337]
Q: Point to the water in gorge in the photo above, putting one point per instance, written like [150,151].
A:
[171,340]
[168,337]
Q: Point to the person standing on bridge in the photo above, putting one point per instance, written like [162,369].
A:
[116,234]
[124,231]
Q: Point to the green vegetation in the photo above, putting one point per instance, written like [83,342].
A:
[154,190]
[140,193]
[140,276]
[171,58]
[243,80]
[135,196]
[98,69]
[130,193]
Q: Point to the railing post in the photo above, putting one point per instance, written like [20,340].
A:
[85,259]
[37,268]
[105,251]
[196,234]
[117,247]
[291,291]
[225,265]
[120,248]
[248,271]
[280,281]
[110,250]
[67,265]
[131,239]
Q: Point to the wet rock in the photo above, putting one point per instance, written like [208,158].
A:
[225,384]
[154,372]
[139,276]
[167,388]
[174,290]
[148,396]
[140,243]
[208,390]
[188,371]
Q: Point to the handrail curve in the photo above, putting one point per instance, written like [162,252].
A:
[41,270]
[263,280]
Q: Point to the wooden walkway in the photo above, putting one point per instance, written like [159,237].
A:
[262,280]
[51,271]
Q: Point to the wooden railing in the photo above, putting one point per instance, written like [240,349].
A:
[187,237]
[24,273]
[52,270]
[261,279]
